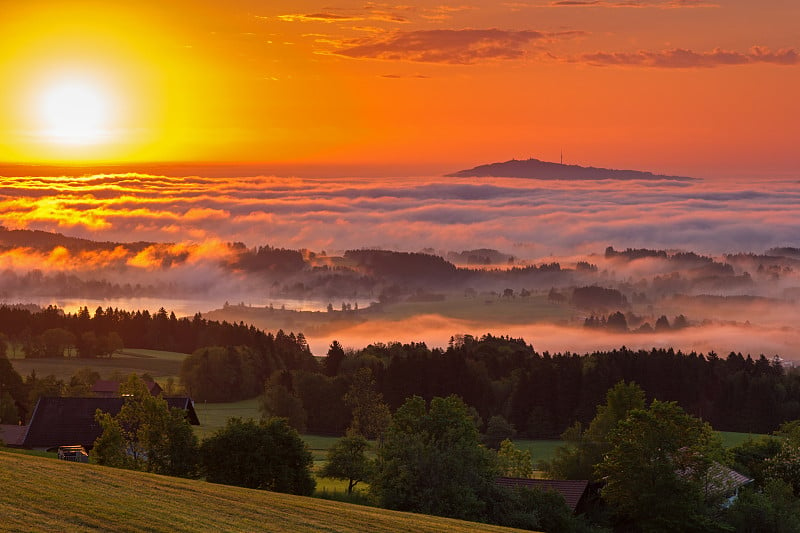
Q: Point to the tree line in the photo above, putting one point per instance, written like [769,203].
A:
[540,394]
[52,333]
[140,329]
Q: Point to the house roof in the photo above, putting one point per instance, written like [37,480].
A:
[723,481]
[182,402]
[572,490]
[12,434]
[68,421]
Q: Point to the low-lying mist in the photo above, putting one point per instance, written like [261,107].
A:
[436,331]
[699,250]
[531,219]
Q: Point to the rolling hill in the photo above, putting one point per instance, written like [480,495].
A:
[42,494]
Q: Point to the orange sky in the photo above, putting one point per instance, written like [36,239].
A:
[699,87]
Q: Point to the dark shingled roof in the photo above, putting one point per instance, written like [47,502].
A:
[12,435]
[723,481]
[67,421]
[573,491]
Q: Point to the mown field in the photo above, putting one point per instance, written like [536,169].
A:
[495,309]
[159,364]
[41,494]
[214,415]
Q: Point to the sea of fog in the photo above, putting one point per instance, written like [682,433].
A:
[535,220]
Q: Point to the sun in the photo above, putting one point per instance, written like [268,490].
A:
[76,112]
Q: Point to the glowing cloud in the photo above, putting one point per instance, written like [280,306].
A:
[681,58]
[443,46]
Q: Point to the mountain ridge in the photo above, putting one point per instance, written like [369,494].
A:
[537,169]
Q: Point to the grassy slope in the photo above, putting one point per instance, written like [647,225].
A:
[123,364]
[731,439]
[492,309]
[213,416]
[48,495]
[153,354]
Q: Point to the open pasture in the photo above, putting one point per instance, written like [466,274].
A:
[119,364]
[50,495]
[514,310]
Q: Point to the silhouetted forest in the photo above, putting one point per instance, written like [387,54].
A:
[394,265]
[266,259]
[598,297]
[543,394]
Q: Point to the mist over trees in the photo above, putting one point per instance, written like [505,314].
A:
[540,394]
[52,333]
[518,391]
[713,291]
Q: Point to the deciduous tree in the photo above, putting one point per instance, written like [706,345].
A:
[268,455]
[371,415]
[657,469]
[583,449]
[775,509]
[513,461]
[12,390]
[146,434]
[498,429]
[431,461]
[279,401]
[347,459]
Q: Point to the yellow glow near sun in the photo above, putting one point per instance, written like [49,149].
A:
[75,112]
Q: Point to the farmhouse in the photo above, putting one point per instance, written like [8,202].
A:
[70,421]
[573,491]
[723,483]
[12,434]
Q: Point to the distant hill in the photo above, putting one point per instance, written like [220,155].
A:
[534,168]
[46,241]
[43,494]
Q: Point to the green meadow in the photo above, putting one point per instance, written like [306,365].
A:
[496,309]
[159,364]
[42,494]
